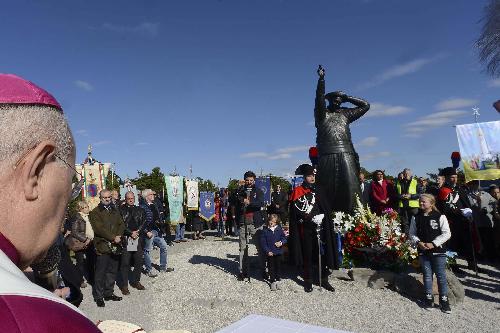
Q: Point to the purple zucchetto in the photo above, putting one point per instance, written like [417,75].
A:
[16,90]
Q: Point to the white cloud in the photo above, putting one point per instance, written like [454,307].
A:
[434,120]
[282,156]
[101,143]
[82,132]
[384,110]
[141,144]
[455,103]
[494,83]
[278,154]
[84,85]
[147,28]
[295,149]
[257,154]
[372,156]
[400,70]
[368,142]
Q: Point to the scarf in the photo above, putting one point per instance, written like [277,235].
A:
[89,232]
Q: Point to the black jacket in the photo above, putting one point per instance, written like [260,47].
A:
[279,199]
[256,197]
[134,218]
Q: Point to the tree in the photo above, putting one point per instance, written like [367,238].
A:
[206,185]
[232,185]
[154,180]
[113,181]
[285,184]
[488,42]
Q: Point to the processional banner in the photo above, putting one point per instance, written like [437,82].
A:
[192,194]
[175,194]
[297,181]
[95,180]
[207,206]
[480,150]
[264,183]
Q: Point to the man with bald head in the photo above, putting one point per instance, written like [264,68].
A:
[108,229]
[36,154]
[134,218]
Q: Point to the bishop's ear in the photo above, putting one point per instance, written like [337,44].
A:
[33,166]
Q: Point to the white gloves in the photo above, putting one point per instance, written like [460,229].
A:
[318,219]
[466,212]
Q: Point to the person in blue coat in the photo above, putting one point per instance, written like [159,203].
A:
[272,240]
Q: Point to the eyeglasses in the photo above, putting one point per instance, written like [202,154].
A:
[75,192]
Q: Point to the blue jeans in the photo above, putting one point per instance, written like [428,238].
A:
[220,228]
[179,231]
[434,264]
[148,247]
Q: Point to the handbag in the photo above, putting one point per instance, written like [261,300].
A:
[74,244]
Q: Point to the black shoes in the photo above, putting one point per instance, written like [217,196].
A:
[308,287]
[113,297]
[428,302]
[444,305]
[242,277]
[100,303]
[326,285]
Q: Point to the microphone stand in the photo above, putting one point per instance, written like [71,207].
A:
[245,254]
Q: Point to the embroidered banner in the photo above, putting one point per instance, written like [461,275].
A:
[264,183]
[480,150]
[207,206]
[175,194]
[192,194]
[95,181]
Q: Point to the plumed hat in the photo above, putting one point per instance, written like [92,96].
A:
[305,170]
[16,90]
[448,171]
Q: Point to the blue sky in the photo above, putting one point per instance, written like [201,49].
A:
[227,86]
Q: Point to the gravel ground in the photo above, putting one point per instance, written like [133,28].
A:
[203,295]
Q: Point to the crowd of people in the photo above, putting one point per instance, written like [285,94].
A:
[113,243]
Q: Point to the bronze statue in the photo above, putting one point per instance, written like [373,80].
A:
[338,164]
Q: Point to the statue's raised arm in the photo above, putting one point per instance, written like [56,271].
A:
[320,103]
[361,108]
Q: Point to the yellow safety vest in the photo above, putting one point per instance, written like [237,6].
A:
[411,190]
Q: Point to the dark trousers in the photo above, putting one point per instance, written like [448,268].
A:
[124,273]
[274,267]
[309,244]
[85,261]
[406,213]
[488,242]
[106,268]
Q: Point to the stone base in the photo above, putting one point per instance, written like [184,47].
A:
[408,283]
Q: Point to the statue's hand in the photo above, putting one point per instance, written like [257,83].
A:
[340,94]
[321,71]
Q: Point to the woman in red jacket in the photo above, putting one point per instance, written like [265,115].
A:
[380,193]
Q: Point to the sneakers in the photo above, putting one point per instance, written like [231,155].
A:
[274,286]
[100,303]
[428,301]
[444,305]
[151,274]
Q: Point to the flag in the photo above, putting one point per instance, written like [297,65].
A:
[207,206]
[264,183]
[175,194]
[192,194]
[480,150]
